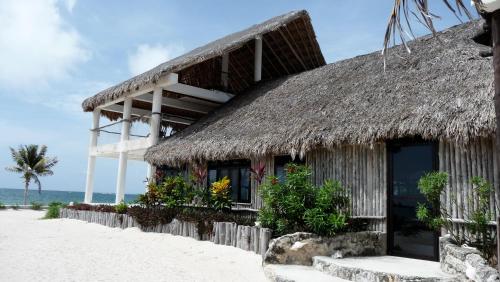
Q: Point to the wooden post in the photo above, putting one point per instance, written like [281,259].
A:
[89,185]
[498,243]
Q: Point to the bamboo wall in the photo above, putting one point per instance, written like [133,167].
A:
[363,171]
[462,162]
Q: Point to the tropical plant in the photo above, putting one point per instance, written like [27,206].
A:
[2,206]
[172,192]
[36,206]
[284,204]
[402,10]
[476,218]
[53,210]
[202,191]
[32,162]
[220,194]
[259,172]
[152,197]
[121,208]
[330,213]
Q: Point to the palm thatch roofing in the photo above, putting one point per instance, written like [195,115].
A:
[289,46]
[442,90]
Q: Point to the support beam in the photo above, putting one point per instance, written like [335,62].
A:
[171,78]
[210,95]
[257,75]
[89,184]
[147,114]
[225,71]
[122,161]
[179,104]
[293,49]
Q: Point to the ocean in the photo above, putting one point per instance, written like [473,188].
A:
[10,196]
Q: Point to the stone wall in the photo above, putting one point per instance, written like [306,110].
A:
[465,261]
[249,238]
[300,248]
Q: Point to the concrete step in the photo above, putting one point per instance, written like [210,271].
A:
[297,273]
[382,269]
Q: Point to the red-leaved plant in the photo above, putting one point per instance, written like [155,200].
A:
[258,172]
[200,174]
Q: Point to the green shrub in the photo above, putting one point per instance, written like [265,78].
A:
[284,204]
[121,208]
[477,231]
[53,210]
[331,212]
[172,192]
[36,206]
[297,205]
[2,206]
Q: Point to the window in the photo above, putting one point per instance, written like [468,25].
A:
[280,163]
[238,171]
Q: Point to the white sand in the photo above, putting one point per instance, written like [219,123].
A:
[72,250]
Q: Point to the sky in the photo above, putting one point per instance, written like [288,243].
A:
[55,53]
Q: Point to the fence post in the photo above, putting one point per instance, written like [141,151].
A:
[498,243]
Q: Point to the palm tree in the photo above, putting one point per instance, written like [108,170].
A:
[31,163]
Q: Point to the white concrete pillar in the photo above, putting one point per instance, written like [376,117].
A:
[155,123]
[225,70]
[258,59]
[89,183]
[123,157]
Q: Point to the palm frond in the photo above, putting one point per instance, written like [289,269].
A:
[422,14]
[14,169]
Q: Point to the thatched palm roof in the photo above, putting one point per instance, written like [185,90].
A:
[443,90]
[290,46]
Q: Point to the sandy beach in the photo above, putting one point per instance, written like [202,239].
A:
[70,250]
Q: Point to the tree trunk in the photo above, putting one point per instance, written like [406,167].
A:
[26,184]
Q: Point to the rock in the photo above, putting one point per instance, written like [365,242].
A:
[466,261]
[301,247]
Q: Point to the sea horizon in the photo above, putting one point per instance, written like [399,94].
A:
[13,196]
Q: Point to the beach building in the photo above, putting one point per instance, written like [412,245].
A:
[266,95]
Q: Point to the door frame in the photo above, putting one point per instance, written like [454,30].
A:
[435,166]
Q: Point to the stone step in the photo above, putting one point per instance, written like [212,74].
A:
[382,269]
[297,273]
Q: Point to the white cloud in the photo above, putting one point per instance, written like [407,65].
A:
[36,44]
[147,57]
[70,4]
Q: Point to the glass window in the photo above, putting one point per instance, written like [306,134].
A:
[238,172]
[212,175]
[245,184]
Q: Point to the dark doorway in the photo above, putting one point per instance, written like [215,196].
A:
[408,237]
